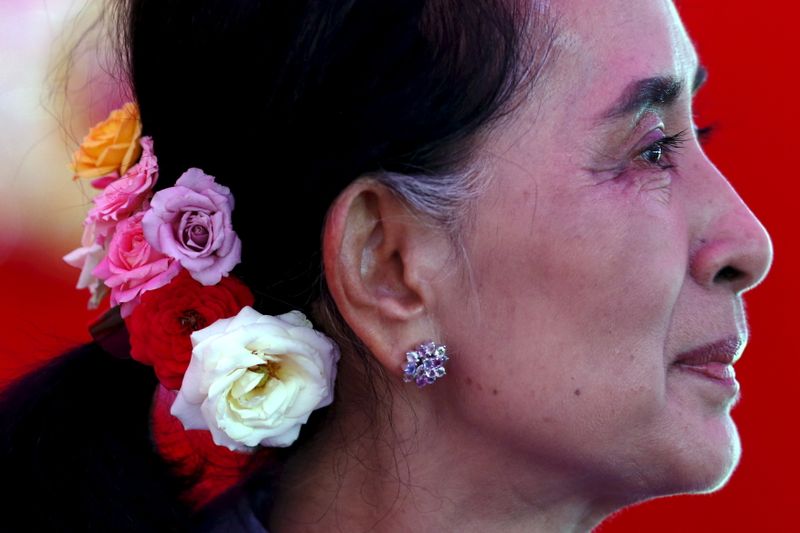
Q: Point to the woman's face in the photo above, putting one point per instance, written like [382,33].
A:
[607,261]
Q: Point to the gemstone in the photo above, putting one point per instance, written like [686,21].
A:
[425,364]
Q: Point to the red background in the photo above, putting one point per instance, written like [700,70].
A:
[751,54]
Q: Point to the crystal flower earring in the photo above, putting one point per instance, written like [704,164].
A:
[425,364]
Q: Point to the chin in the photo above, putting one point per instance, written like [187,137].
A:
[688,462]
[708,465]
[718,473]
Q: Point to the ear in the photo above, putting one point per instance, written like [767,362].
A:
[381,262]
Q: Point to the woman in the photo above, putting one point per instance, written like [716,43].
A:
[522,182]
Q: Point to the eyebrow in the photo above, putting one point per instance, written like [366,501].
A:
[659,91]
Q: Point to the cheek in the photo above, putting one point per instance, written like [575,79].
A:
[571,306]
[584,276]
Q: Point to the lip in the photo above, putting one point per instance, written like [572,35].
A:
[714,361]
[726,351]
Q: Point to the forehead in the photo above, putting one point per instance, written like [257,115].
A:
[622,32]
[604,45]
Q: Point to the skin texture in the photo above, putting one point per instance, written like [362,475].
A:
[587,269]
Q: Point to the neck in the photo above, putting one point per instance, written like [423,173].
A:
[411,477]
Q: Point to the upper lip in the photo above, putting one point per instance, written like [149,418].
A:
[726,351]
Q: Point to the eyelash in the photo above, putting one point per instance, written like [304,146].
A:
[664,146]
[704,133]
[670,144]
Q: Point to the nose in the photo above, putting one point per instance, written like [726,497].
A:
[732,250]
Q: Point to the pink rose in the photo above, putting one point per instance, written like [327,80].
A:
[105,181]
[132,266]
[191,222]
[124,196]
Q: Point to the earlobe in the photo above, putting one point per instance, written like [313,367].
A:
[376,268]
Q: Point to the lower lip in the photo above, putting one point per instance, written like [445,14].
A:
[718,373]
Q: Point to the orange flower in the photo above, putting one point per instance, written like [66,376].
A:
[111,146]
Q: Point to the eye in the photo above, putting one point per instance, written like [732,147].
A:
[653,153]
[657,154]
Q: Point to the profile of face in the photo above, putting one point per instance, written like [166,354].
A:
[607,258]
[593,306]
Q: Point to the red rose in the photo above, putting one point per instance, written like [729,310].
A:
[209,469]
[161,325]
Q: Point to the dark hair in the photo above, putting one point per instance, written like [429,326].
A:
[285,102]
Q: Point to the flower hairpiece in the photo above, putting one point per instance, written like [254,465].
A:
[255,379]
[111,146]
[166,259]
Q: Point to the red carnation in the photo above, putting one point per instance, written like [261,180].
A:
[161,325]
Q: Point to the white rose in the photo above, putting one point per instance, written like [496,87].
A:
[87,257]
[255,379]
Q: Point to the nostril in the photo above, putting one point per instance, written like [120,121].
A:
[728,274]
[733,253]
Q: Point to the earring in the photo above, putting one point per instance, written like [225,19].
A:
[425,364]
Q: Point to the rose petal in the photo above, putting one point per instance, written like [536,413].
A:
[239,406]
